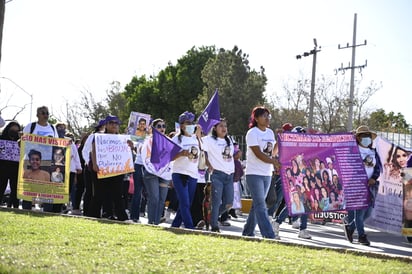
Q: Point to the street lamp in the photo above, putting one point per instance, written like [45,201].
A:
[31,95]
[312,84]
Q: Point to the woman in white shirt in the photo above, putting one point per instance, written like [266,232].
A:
[221,166]
[258,171]
[156,181]
[185,168]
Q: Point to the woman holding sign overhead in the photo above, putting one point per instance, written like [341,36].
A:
[108,187]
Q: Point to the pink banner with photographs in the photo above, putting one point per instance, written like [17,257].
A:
[322,173]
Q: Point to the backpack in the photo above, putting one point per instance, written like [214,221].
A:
[33,126]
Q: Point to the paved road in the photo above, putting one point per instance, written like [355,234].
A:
[330,235]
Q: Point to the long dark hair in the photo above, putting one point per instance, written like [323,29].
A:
[5,134]
[257,112]
[214,132]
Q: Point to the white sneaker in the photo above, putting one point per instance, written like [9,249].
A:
[304,234]
[296,224]
[276,228]
[75,212]
[167,215]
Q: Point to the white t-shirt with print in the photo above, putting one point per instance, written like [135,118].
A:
[41,130]
[266,142]
[220,155]
[369,159]
[187,165]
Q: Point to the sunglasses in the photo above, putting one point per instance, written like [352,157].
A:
[44,112]
[113,123]
[161,126]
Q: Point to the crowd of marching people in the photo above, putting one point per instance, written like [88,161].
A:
[201,186]
[182,188]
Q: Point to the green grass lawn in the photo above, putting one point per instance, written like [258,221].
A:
[33,242]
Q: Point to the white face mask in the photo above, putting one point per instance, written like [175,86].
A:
[366,141]
[190,129]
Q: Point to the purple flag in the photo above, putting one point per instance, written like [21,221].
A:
[211,115]
[163,150]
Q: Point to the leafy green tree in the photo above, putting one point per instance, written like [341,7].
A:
[240,88]
[173,90]
[391,122]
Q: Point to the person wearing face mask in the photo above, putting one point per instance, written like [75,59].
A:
[9,169]
[372,165]
[185,168]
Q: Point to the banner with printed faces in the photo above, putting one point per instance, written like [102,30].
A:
[322,173]
[44,169]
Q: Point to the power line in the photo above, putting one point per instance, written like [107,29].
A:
[313,52]
[352,67]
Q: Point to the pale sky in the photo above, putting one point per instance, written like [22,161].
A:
[54,49]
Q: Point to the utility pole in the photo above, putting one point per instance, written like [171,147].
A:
[352,67]
[312,83]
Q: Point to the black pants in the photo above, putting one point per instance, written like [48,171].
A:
[9,173]
[103,189]
[88,190]
[197,206]
[78,190]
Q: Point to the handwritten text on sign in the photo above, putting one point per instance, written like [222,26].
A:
[113,155]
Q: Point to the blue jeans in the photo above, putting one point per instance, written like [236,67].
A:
[156,189]
[137,194]
[222,195]
[258,186]
[356,219]
[185,187]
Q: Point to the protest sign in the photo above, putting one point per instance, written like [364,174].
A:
[43,171]
[113,155]
[322,173]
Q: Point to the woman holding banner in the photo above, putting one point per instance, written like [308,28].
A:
[372,165]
